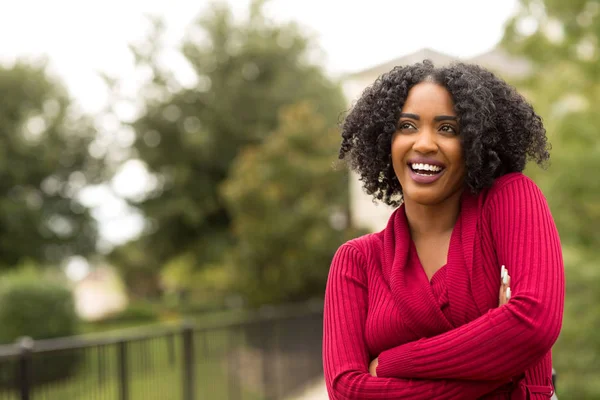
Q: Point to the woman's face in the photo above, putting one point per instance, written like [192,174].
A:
[427,153]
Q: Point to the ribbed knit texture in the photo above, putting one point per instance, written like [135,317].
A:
[448,339]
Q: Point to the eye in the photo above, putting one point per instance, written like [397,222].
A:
[404,126]
[449,129]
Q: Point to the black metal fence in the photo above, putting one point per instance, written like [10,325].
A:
[267,355]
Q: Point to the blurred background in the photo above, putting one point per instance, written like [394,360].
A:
[170,190]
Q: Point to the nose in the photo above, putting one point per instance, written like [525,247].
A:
[425,142]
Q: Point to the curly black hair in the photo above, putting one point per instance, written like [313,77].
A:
[499,129]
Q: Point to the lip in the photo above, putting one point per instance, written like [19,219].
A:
[422,178]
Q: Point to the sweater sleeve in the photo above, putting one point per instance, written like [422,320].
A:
[509,339]
[345,355]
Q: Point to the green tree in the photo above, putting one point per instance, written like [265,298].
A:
[289,209]
[44,163]
[243,72]
[560,39]
[565,87]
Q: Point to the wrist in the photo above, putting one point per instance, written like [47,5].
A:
[394,363]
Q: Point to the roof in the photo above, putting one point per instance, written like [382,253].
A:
[497,60]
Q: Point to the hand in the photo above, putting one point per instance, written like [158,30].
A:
[505,292]
[373,367]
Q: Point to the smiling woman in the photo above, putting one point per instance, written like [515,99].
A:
[461,296]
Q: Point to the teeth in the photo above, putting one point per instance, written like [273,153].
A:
[426,167]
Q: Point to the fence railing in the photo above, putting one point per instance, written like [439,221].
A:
[268,354]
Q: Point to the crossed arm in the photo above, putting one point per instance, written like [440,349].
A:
[507,340]
[346,358]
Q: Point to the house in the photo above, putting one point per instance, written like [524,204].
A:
[364,211]
[99,294]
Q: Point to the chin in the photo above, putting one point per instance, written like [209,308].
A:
[426,199]
[428,196]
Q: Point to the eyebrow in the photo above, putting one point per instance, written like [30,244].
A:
[445,118]
[411,116]
[436,118]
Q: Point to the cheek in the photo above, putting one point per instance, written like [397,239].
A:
[454,151]
[458,159]
[399,147]
[398,151]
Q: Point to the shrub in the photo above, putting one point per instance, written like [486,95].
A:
[34,308]
[40,309]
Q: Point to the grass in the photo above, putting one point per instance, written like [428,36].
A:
[155,371]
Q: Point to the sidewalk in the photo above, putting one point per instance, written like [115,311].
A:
[315,391]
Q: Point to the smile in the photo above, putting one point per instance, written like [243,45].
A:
[425,173]
[425,169]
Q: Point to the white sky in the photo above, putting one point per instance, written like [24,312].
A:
[84,37]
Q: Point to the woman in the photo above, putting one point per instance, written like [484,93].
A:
[413,312]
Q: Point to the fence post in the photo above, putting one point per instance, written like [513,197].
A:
[24,374]
[123,375]
[188,362]
[268,333]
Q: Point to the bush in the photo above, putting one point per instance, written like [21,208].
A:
[34,308]
[41,309]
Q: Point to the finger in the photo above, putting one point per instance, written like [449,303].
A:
[504,295]
[502,289]
[501,298]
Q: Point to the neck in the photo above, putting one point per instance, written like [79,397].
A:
[430,220]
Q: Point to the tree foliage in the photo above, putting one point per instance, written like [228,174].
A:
[565,88]
[243,73]
[44,162]
[289,209]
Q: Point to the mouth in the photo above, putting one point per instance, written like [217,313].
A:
[425,169]
[425,173]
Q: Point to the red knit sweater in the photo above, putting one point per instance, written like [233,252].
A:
[453,341]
